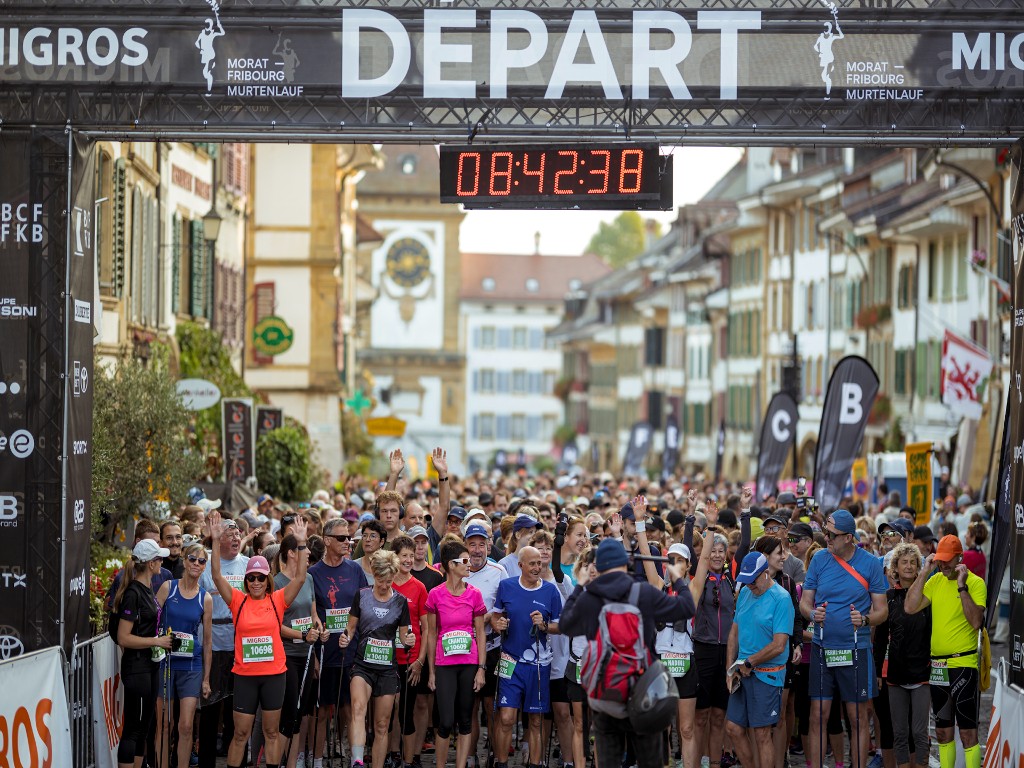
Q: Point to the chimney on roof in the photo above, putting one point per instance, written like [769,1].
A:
[536,243]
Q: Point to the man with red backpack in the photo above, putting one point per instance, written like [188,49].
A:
[582,615]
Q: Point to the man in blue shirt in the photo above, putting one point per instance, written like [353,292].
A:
[336,582]
[844,596]
[526,610]
[760,636]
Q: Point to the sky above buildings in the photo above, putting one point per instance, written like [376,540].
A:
[568,232]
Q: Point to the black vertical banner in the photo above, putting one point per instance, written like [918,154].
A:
[719,450]
[1002,527]
[851,393]
[636,452]
[777,435]
[1016,421]
[268,419]
[78,393]
[34,171]
[239,442]
[670,456]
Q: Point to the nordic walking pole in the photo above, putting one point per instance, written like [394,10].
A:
[856,657]
[821,701]
[298,708]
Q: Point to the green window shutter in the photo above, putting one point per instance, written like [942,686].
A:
[197,270]
[176,263]
[120,206]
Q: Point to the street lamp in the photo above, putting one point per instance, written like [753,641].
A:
[212,222]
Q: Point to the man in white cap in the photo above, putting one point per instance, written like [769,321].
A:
[485,575]
[757,652]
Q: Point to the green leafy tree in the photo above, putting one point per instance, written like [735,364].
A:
[623,239]
[360,450]
[143,453]
[204,356]
[285,465]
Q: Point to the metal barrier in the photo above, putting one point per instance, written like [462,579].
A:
[81,702]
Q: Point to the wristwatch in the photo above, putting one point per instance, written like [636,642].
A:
[442,479]
[747,664]
[962,589]
[865,621]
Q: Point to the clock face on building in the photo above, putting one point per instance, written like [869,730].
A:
[408,262]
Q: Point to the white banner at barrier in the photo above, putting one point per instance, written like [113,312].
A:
[1005,745]
[108,701]
[34,728]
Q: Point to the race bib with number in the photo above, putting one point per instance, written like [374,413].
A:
[939,673]
[235,580]
[184,645]
[260,648]
[506,667]
[677,664]
[838,657]
[301,625]
[379,651]
[456,643]
[336,620]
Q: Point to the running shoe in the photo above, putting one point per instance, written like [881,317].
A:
[358,764]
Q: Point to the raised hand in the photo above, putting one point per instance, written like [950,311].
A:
[746,496]
[439,457]
[299,529]
[397,462]
[216,525]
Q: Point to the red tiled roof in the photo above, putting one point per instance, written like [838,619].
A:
[510,274]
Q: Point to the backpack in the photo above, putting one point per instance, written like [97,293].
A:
[617,656]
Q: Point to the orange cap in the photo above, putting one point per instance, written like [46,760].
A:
[949,547]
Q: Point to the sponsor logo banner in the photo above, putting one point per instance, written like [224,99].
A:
[108,701]
[778,434]
[34,711]
[851,393]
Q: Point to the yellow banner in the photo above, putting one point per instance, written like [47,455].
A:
[919,479]
[859,480]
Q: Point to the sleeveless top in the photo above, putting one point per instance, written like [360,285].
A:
[184,617]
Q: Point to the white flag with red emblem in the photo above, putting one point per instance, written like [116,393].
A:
[966,369]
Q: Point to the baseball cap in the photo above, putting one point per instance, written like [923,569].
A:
[207,505]
[258,564]
[780,519]
[680,549]
[754,564]
[785,498]
[524,521]
[356,501]
[904,526]
[843,521]
[458,512]
[626,511]
[147,550]
[416,530]
[610,554]
[803,530]
[486,498]
[196,493]
[472,515]
[366,517]
[477,530]
[263,499]
[924,533]
[756,528]
[949,547]
[582,501]
[963,500]
[350,515]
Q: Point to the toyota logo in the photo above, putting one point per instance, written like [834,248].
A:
[10,643]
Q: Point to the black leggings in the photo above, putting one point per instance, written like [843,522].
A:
[406,701]
[455,698]
[292,711]
[140,693]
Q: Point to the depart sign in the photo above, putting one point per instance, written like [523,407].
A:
[920,68]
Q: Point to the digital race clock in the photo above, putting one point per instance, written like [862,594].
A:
[563,176]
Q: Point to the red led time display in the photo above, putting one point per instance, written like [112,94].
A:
[555,176]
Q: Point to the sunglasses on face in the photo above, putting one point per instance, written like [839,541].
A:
[831,535]
[287,519]
[794,539]
[194,559]
[460,560]
[339,537]
[260,577]
[892,534]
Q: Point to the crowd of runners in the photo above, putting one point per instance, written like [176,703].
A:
[404,616]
